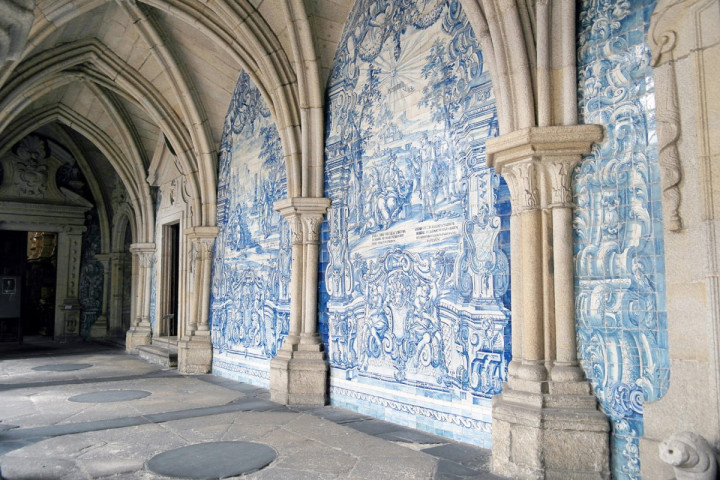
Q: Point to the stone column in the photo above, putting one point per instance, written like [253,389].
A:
[115,294]
[195,347]
[67,314]
[558,171]
[140,333]
[99,329]
[545,426]
[298,374]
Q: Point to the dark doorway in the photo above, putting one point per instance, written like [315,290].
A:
[30,258]
[171,269]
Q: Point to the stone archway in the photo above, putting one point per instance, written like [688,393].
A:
[30,200]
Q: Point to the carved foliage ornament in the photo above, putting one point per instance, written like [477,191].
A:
[523,183]
[296,227]
[559,174]
[312,228]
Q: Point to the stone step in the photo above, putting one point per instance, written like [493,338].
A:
[165,342]
[158,355]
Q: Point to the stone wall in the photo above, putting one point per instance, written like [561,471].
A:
[620,269]
[414,269]
[250,302]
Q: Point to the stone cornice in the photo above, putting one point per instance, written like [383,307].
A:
[142,248]
[302,206]
[537,142]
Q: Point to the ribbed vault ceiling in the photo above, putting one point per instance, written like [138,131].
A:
[125,75]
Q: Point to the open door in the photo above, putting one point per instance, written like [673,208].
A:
[170,281]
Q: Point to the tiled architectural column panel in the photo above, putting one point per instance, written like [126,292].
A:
[620,269]
[414,270]
[92,277]
[250,302]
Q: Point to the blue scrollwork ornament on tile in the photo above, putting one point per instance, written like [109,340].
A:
[250,297]
[622,326]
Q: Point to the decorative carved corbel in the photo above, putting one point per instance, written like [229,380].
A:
[668,121]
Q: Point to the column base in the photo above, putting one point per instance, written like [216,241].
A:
[555,435]
[299,375]
[99,329]
[195,355]
[137,336]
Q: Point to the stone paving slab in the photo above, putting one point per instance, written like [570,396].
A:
[44,435]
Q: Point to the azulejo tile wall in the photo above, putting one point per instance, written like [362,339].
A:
[250,302]
[414,289]
[620,285]
[90,284]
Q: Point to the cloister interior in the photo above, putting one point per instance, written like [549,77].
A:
[489,220]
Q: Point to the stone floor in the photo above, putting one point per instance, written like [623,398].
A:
[90,411]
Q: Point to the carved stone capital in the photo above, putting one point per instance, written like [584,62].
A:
[103,258]
[558,174]
[305,217]
[145,253]
[203,240]
[537,162]
[522,180]
[311,227]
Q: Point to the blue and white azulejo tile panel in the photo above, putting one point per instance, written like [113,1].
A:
[620,283]
[250,300]
[414,270]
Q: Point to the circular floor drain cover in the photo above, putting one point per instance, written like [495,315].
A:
[108,396]
[63,367]
[212,460]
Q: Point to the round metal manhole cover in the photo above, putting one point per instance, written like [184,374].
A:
[63,367]
[213,460]
[108,396]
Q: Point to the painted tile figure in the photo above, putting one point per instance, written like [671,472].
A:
[620,287]
[250,302]
[414,268]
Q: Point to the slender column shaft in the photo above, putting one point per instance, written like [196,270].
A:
[140,293]
[516,270]
[548,290]
[543,63]
[312,250]
[147,287]
[533,343]
[296,279]
[564,304]
[106,288]
[204,289]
